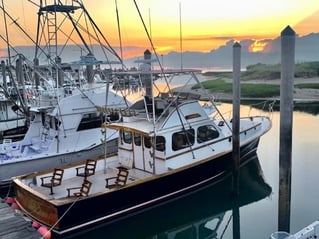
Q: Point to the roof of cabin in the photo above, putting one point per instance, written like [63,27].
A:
[187,113]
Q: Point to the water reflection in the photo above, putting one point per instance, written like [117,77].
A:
[311,107]
[207,213]
[257,220]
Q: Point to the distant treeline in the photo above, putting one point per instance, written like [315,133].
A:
[261,71]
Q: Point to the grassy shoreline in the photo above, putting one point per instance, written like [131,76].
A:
[250,90]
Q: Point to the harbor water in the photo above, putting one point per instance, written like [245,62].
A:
[214,212]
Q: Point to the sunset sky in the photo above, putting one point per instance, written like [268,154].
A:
[206,24]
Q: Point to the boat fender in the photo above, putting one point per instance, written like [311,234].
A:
[35,224]
[10,200]
[15,206]
[44,232]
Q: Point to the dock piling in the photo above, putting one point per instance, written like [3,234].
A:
[236,116]
[286,112]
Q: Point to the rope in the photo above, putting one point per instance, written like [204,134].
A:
[8,193]
[51,228]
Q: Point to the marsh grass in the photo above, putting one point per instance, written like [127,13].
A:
[247,90]
[307,86]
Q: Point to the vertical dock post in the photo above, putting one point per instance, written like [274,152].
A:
[236,116]
[235,134]
[36,73]
[4,77]
[286,111]
[59,72]
[89,68]
[148,67]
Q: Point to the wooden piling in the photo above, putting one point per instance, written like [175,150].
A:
[19,70]
[236,116]
[59,71]
[20,79]
[286,112]
[4,77]
[36,73]
[147,67]
[89,70]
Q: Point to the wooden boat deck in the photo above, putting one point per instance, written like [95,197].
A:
[70,180]
[13,225]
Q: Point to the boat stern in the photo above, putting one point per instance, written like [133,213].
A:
[35,205]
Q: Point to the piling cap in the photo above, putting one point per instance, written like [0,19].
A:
[288,31]
[147,55]
[236,44]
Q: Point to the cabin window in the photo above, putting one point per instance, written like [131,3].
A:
[137,139]
[206,133]
[147,142]
[183,139]
[127,137]
[90,121]
[160,143]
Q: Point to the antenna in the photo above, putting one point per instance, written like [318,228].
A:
[180,34]
[119,29]
[7,35]
[150,22]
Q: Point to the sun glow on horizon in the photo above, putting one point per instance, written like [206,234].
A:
[257,46]
[179,25]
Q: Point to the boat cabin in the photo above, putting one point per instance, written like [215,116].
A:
[186,128]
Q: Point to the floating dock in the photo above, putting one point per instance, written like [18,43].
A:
[13,225]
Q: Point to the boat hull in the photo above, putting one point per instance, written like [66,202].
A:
[17,167]
[109,206]
[199,208]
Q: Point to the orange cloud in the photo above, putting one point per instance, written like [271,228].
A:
[2,53]
[257,46]
[308,24]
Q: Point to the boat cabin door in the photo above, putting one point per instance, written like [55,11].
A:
[142,152]
[148,154]
[144,157]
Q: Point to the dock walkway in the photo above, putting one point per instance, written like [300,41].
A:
[13,225]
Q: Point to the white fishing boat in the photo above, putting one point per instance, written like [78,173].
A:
[168,146]
[61,135]
[310,231]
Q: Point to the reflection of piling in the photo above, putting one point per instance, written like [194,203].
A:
[236,116]
[236,222]
[286,111]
